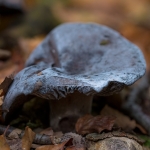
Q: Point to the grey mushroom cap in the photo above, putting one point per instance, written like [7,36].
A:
[89,58]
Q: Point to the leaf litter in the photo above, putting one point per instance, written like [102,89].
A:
[3,143]
[127,124]
[27,139]
[68,141]
[88,124]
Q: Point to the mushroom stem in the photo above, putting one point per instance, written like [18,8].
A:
[65,112]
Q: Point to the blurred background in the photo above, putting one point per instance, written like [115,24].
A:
[24,23]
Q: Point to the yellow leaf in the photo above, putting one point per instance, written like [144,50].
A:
[1,91]
[3,143]
[27,139]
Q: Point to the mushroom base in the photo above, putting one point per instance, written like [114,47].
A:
[65,112]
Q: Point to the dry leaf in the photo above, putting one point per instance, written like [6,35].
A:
[127,124]
[58,134]
[4,54]
[34,146]
[27,139]
[15,134]
[89,124]
[47,131]
[3,143]
[4,86]
[52,147]
[15,144]
[1,91]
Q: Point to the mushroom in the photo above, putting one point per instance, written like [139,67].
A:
[75,62]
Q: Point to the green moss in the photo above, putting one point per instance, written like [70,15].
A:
[146,139]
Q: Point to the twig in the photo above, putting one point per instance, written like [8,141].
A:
[41,139]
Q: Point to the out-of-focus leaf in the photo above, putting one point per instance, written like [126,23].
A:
[5,85]
[15,144]
[34,146]
[4,54]
[52,147]
[127,124]
[27,139]
[47,131]
[15,134]
[58,134]
[89,124]
[1,91]
[3,143]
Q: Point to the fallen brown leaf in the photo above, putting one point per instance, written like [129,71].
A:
[4,86]
[58,134]
[52,147]
[34,146]
[15,144]
[15,134]
[3,143]
[27,139]
[127,124]
[1,91]
[89,124]
[47,131]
